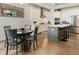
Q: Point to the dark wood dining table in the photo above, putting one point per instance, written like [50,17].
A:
[22,35]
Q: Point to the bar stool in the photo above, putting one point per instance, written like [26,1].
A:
[65,34]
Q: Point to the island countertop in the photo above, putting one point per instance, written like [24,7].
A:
[60,25]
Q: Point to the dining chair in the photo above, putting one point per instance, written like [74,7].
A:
[12,40]
[33,39]
[27,27]
[6,28]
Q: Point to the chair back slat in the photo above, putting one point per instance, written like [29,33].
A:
[35,33]
[6,28]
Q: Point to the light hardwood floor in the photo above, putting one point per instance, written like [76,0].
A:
[47,47]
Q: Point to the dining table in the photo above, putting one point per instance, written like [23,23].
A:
[23,34]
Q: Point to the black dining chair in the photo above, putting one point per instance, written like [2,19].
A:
[33,39]
[12,40]
[6,28]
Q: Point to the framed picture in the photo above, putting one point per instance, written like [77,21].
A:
[11,11]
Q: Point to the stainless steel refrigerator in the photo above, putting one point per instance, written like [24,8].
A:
[75,24]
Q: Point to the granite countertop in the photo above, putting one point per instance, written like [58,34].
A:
[60,25]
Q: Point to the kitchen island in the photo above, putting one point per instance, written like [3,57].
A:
[58,32]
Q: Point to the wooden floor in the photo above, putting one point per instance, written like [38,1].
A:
[47,47]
